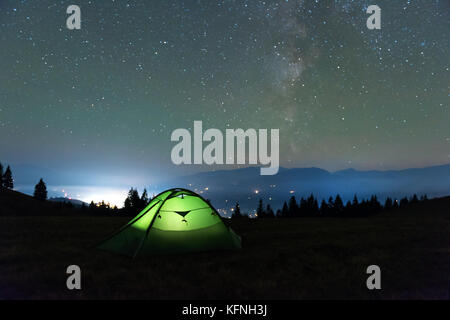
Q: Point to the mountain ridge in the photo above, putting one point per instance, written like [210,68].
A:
[246,186]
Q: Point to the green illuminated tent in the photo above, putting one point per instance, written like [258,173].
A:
[176,220]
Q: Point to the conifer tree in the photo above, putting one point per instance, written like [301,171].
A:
[40,191]
[388,204]
[330,206]
[260,211]
[285,210]
[324,211]
[8,181]
[338,205]
[237,211]
[269,211]
[144,199]
[293,207]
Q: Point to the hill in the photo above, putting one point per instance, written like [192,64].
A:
[13,203]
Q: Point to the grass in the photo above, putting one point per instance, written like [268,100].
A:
[305,258]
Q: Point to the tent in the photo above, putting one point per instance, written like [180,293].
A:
[175,221]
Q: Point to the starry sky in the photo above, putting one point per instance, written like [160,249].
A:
[105,99]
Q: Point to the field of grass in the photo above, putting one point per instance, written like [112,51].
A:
[303,258]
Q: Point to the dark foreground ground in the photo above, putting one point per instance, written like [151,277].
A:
[301,258]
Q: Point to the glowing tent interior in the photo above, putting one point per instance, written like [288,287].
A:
[175,221]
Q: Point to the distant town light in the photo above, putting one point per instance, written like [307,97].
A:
[256,191]
[292,191]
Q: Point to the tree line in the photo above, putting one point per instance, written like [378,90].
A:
[7,182]
[305,207]
[334,207]
[133,204]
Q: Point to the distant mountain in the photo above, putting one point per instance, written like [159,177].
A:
[75,202]
[247,186]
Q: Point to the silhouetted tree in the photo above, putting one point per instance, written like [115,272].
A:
[133,202]
[285,210]
[144,199]
[404,202]
[40,191]
[237,211]
[8,181]
[103,205]
[293,207]
[363,207]
[135,199]
[330,205]
[414,199]
[395,204]
[127,204]
[324,210]
[338,205]
[355,202]
[314,206]
[348,210]
[388,204]
[303,207]
[92,206]
[260,211]
[374,205]
[354,210]
[269,212]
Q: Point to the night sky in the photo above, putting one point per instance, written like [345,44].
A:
[105,99]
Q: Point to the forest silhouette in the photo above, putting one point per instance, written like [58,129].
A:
[292,208]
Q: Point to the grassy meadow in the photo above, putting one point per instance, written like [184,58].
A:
[297,258]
